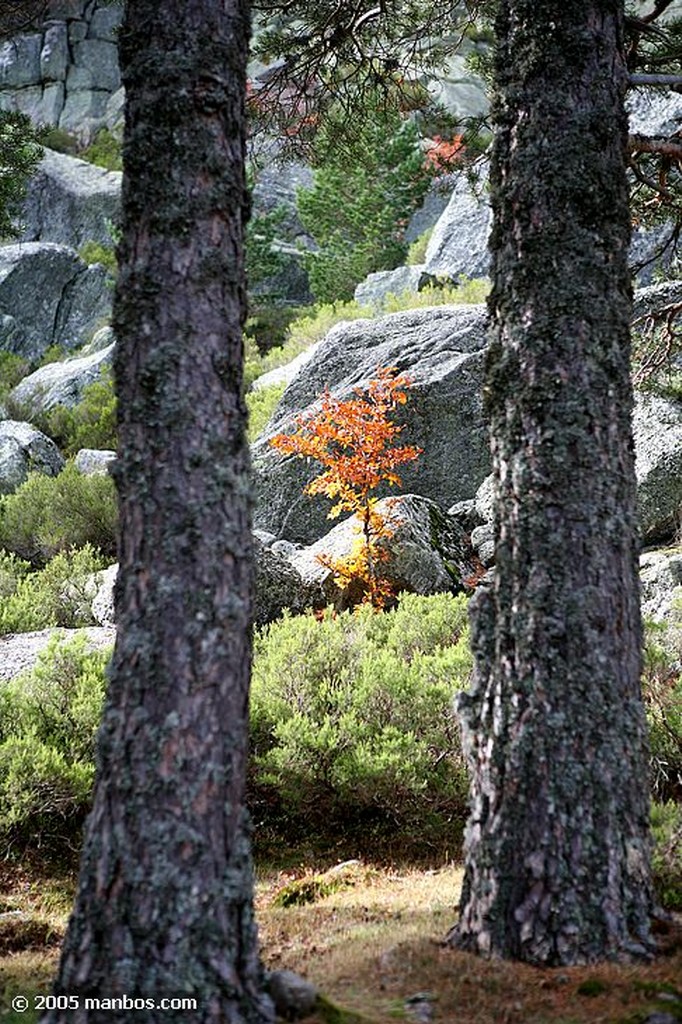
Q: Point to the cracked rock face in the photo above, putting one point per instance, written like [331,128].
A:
[61,383]
[48,296]
[23,449]
[71,202]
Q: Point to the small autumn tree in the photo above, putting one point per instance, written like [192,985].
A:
[353,440]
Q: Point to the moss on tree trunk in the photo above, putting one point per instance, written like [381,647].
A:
[557,847]
[164,906]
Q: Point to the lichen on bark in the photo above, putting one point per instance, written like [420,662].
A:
[557,845]
[164,904]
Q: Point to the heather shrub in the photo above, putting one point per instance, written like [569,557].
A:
[89,424]
[662,689]
[48,722]
[352,716]
[261,404]
[58,595]
[666,825]
[105,150]
[94,252]
[12,572]
[47,515]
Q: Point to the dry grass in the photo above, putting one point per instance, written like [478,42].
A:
[372,947]
[374,943]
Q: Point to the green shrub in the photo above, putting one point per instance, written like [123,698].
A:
[13,368]
[20,154]
[261,404]
[416,254]
[467,292]
[47,515]
[94,252]
[352,715]
[666,824]
[60,141]
[48,722]
[58,595]
[105,150]
[89,424]
[662,689]
[12,572]
[304,331]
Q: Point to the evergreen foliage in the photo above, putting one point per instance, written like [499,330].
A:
[358,209]
[20,154]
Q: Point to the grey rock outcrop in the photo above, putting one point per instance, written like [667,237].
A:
[374,289]
[441,349]
[65,72]
[23,450]
[48,296]
[285,374]
[278,586]
[294,998]
[657,429]
[94,461]
[657,432]
[71,202]
[459,242]
[427,552]
[19,652]
[60,383]
[660,574]
[103,604]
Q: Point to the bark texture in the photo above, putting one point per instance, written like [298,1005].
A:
[164,906]
[557,846]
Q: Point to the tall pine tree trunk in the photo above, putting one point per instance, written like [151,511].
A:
[164,905]
[557,848]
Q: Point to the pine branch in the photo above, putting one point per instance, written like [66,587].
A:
[667,80]
[663,147]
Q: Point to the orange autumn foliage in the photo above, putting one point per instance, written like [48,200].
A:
[353,440]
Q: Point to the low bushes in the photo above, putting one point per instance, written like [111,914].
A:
[354,742]
[61,594]
[48,722]
[352,721]
[47,515]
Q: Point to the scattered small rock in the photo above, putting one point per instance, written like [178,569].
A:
[293,996]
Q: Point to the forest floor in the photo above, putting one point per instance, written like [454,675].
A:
[370,938]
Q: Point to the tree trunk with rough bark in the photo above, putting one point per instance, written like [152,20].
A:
[557,846]
[164,905]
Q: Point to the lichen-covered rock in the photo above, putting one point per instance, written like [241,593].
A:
[279,585]
[441,350]
[374,289]
[70,202]
[657,429]
[459,242]
[48,296]
[293,996]
[24,450]
[94,461]
[19,652]
[427,552]
[103,604]
[61,383]
[660,575]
